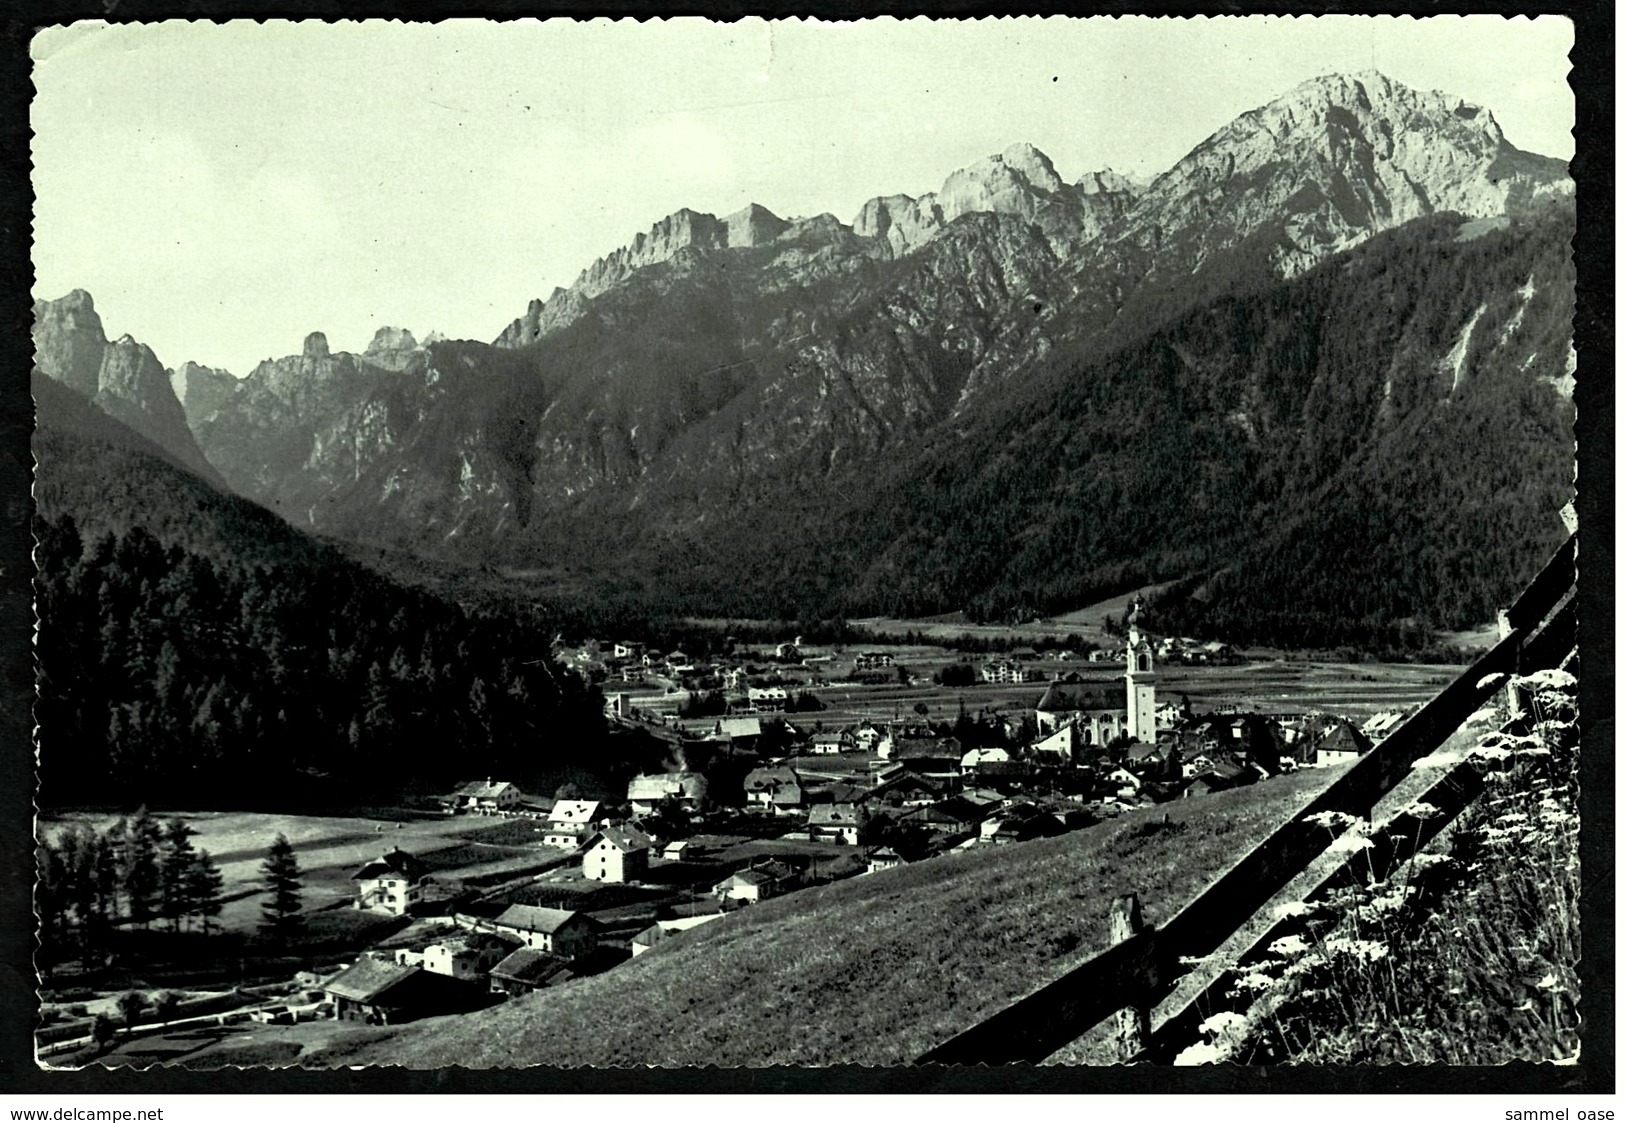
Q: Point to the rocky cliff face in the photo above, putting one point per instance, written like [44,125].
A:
[123,377]
[1020,182]
[202,391]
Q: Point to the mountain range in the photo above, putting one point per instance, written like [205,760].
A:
[1317,371]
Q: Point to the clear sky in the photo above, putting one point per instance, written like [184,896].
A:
[223,190]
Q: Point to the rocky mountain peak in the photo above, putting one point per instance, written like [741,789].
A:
[1337,159]
[391,339]
[1033,165]
[69,341]
[755,225]
[124,378]
[315,346]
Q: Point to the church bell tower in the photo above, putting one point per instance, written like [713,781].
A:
[1140,678]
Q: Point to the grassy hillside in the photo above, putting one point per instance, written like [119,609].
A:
[875,970]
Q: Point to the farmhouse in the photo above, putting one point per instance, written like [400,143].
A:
[683,789]
[742,731]
[907,789]
[486,797]
[839,823]
[934,757]
[559,932]
[884,858]
[617,854]
[761,881]
[527,969]
[1341,742]
[777,789]
[469,957]
[975,758]
[830,742]
[768,699]
[952,815]
[658,931]
[391,882]
[376,993]
[570,821]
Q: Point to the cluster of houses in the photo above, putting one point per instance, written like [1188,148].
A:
[522,949]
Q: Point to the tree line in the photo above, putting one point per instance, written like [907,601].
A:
[170,676]
[142,871]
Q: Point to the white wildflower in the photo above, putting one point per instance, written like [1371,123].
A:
[1293,908]
[1289,947]
[1362,951]
[1253,981]
[1547,679]
[1202,1054]
[1387,904]
[1331,819]
[1427,861]
[1226,1024]
[1304,966]
[1512,817]
[1424,810]
[1193,960]
[1549,983]
[1350,844]
[1484,716]
[1492,682]
[1489,752]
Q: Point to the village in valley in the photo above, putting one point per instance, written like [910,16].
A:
[787,766]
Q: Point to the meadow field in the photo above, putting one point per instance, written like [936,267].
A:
[331,848]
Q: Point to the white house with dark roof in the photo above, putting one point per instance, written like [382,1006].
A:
[776,788]
[616,854]
[829,742]
[469,957]
[658,931]
[647,793]
[570,821]
[561,932]
[764,880]
[840,823]
[487,797]
[391,882]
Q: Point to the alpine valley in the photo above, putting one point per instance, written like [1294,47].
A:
[1316,378]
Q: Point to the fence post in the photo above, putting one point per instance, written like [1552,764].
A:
[1503,629]
[1133,1023]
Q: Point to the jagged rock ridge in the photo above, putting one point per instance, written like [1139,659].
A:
[122,377]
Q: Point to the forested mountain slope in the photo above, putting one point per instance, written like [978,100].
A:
[196,650]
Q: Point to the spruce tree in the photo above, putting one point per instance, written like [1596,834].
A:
[280,872]
[176,859]
[139,870]
[203,890]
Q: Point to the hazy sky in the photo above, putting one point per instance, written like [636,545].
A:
[223,190]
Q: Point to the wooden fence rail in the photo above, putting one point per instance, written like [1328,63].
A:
[1143,969]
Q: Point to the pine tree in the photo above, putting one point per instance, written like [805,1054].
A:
[177,858]
[139,869]
[203,890]
[280,871]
